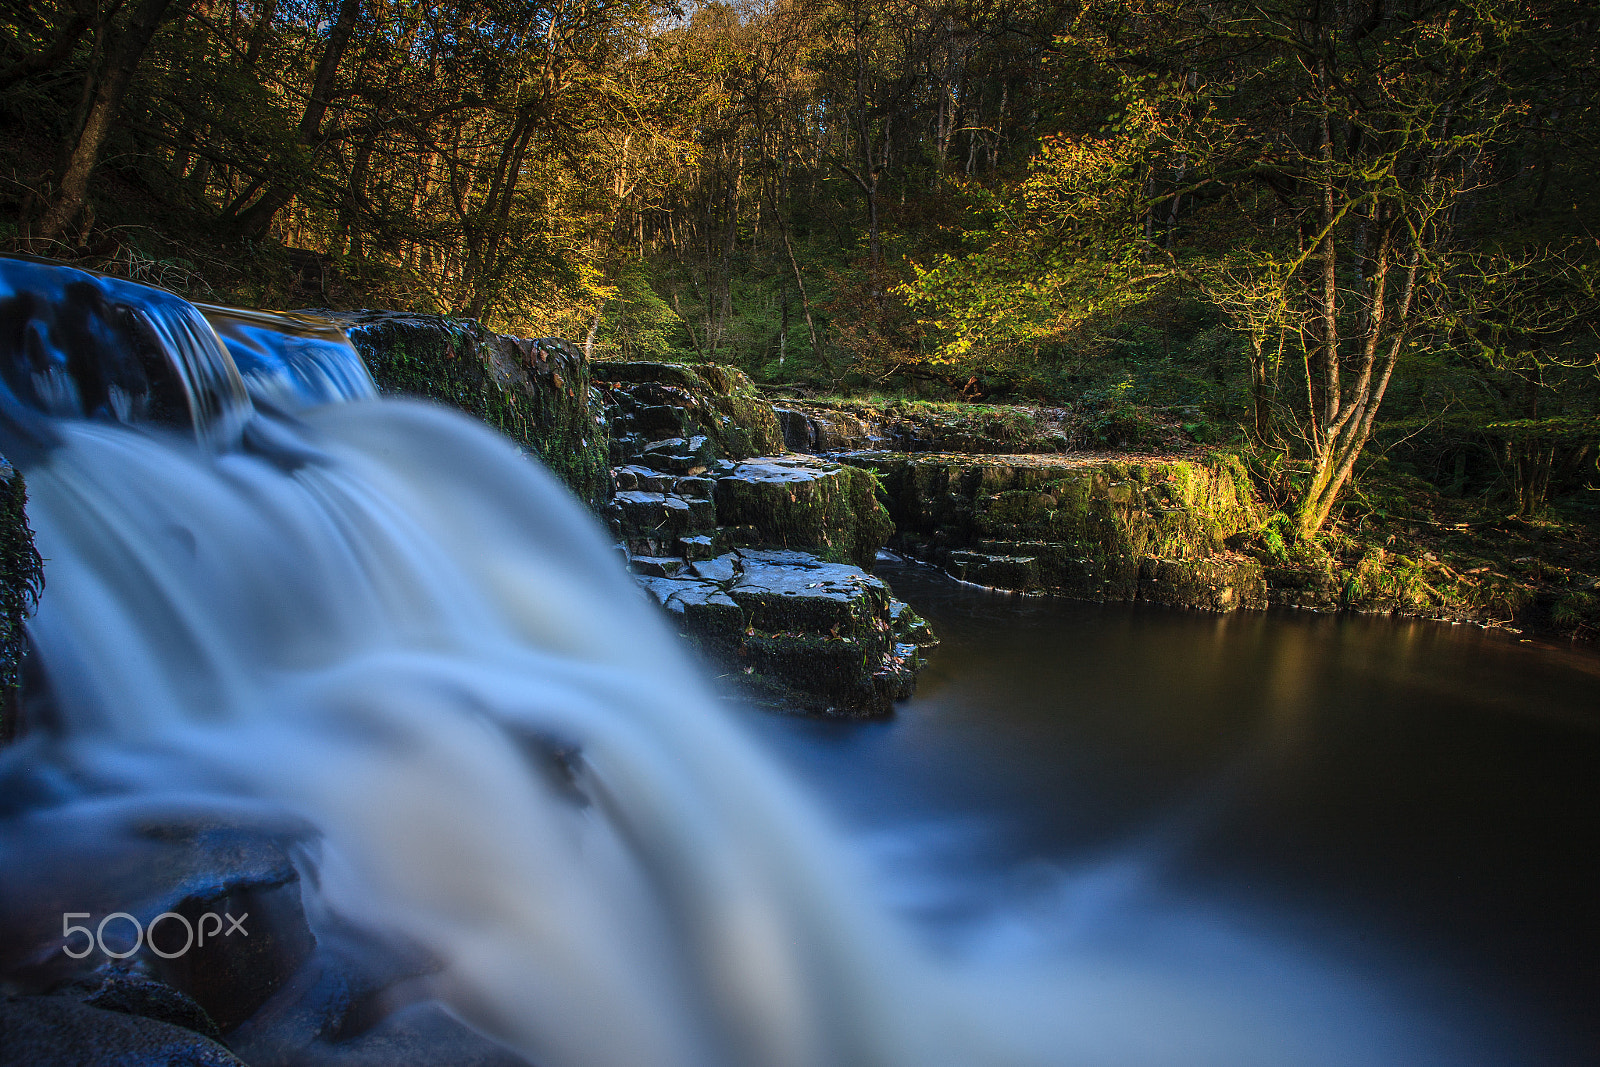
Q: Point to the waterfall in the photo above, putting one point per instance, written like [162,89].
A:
[415,640]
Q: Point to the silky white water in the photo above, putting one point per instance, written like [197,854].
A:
[377,639]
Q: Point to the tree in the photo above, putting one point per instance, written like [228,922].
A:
[103,89]
[1305,165]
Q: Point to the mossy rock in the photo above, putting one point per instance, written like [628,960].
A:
[535,391]
[21,578]
[1079,527]
[825,426]
[1217,583]
[717,401]
[800,502]
[810,635]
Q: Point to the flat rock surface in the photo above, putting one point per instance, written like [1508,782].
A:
[62,1032]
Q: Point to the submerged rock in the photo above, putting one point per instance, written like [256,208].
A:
[270,992]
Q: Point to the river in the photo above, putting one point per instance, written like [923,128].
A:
[1389,826]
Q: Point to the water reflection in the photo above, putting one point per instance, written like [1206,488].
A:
[1379,808]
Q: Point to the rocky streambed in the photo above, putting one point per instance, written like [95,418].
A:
[186,940]
[754,528]
[754,524]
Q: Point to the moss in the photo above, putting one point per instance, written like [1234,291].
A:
[21,579]
[1577,612]
[722,402]
[1066,526]
[536,392]
[922,425]
[797,503]
[1218,583]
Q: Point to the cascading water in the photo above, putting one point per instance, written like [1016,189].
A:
[401,637]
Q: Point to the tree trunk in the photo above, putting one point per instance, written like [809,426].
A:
[113,76]
[50,58]
[255,220]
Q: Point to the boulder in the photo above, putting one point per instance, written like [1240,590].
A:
[827,637]
[536,391]
[80,859]
[798,501]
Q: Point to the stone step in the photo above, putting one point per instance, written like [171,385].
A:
[662,514]
[999,572]
[828,629]
[635,476]
[657,566]
[697,547]
[803,502]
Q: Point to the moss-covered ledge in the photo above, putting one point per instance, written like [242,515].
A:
[704,398]
[1095,525]
[535,391]
[798,501]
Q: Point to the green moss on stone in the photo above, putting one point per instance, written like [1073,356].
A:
[1077,527]
[722,401]
[798,502]
[536,392]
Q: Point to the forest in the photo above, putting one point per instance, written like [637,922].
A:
[1335,237]
[799,533]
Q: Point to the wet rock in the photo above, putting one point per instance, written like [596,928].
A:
[21,578]
[234,973]
[824,637]
[697,547]
[1218,583]
[661,517]
[534,390]
[40,1031]
[695,481]
[680,455]
[819,428]
[1303,587]
[829,426]
[354,980]
[801,502]
[135,994]
[656,566]
[101,860]
[634,476]
[1019,573]
[1079,526]
[676,400]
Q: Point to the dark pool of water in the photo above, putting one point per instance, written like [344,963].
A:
[1401,814]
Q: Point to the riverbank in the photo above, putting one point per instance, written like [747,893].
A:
[1396,545]
[702,476]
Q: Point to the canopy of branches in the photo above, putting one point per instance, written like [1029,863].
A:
[1312,217]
